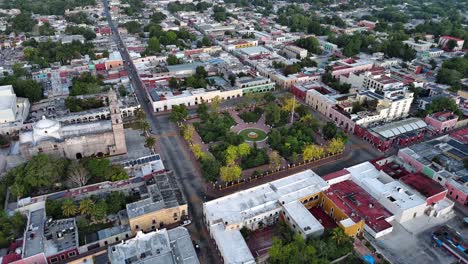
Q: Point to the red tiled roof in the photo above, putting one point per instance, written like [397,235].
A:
[335,174]
[359,205]
[10,258]
[393,169]
[461,135]
[423,184]
[451,38]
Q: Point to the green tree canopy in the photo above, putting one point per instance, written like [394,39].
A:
[24,88]
[172,60]
[230,173]
[443,103]
[132,27]
[23,22]
[179,113]
[295,252]
[311,44]
[11,227]
[329,130]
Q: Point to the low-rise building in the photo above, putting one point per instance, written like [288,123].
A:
[376,79]
[420,45]
[394,196]
[257,84]
[444,40]
[350,65]
[374,107]
[13,109]
[437,204]
[164,205]
[294,52]
[441,159]
[400,133]
[441,122]
[162,246]
[357,203]
[163,100]
[290,198]
[56,240]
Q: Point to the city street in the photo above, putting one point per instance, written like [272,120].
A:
[174,154]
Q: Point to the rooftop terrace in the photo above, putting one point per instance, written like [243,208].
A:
[60,235]
[34,236]
[164,192]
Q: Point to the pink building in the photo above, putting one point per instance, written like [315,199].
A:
[458,190]
[441,122]
[349,65]
[368,24]
[341,118]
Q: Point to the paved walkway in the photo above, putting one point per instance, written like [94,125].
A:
[241,125]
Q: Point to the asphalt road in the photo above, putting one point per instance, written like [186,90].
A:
[174,155]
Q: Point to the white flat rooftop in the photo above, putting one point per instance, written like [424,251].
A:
[246,204]
[231,244]
[303,218]
[383,186]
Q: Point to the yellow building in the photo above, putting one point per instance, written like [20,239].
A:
[245,44]
[350,227]
[163,206]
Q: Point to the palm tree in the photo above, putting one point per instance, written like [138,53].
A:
[338,236]
[86,206]
[69,208]
[150,142]
[144,126]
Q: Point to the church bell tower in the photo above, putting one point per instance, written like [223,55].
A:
[117,124]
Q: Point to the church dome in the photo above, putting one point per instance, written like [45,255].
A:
[45,129]
[45,124]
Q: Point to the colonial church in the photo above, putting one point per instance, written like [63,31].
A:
[74,141]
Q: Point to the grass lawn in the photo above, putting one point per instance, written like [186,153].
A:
[257,134]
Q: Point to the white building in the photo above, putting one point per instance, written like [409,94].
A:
[391,105]
[377,79]
[419,45]
[404,203]
[444,40]
[12,108]
[162,246]
[165,100]
[260,206]
[293,52]
[302,220]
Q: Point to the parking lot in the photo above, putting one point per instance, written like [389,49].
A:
[411,242]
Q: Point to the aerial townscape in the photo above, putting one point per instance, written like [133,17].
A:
[234,131]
